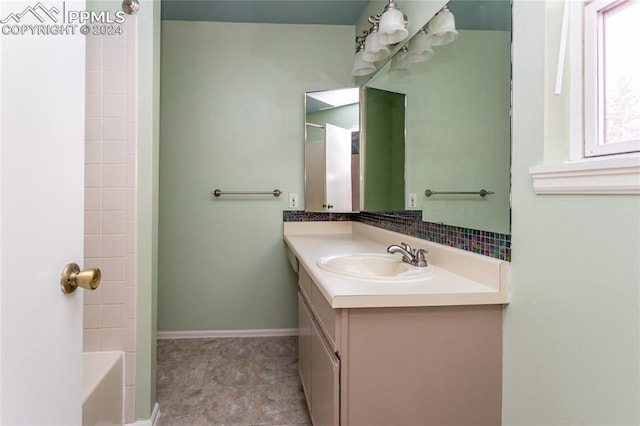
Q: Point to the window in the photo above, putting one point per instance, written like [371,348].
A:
[604,102]
[612,77]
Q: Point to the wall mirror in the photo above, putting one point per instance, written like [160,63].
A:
[354,150]
[458,125]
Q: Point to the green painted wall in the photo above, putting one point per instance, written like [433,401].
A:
[384,150]
[572,329]
[458,129]
[232,117]
[347,117]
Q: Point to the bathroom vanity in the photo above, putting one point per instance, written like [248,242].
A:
[416,351]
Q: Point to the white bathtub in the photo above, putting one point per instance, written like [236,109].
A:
[102,388]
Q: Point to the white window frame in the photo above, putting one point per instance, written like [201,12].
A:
[584,174]
[594,105]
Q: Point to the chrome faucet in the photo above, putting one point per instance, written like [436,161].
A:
[413,257]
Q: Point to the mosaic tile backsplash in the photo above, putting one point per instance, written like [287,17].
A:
[409,222]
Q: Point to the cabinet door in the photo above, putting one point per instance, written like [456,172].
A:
[304,347]
[325,384]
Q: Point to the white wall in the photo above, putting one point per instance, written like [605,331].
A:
[571,331]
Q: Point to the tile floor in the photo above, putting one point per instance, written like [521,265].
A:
[230,381]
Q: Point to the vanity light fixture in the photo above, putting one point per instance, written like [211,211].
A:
[420,48]
[387,28]
[360,66]
[441,29]
[399,63]
[393,28]
[374,49]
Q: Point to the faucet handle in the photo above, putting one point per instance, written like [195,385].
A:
[407,247]
[420,257]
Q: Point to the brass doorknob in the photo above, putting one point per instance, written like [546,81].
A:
[73,277]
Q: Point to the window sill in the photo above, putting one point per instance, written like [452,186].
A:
[620,175]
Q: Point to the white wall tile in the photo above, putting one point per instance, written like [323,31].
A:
[130,335]
[131,28]
[92,316]
[92,262]
[130,269]
[113,175]
[113,269]
[114,129]
[92,245]
[91,340]
[113,222]
[92,152]
[132,99]
[115,106]
[110,149]
[114,58]
[93,129]
[94,41]
[112,339]
[92,176]
[131,237]
[113,199]
[113,293]
[132,140]
[92,199]
[129,368]
[130,302]
[92,222]
[130,404]
[131,171]
[115,40]
[131,199]
[113,316]
[114,82]
[93,82]
[114,152]
[93,297]
[113,245]
[94,59]
[93,105]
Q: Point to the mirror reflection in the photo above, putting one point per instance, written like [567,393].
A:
[458,120]
[332,150]
[354,150]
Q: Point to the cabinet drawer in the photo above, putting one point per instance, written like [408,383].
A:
[328,318]
[305,282]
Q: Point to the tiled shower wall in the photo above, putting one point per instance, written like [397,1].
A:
[110,198]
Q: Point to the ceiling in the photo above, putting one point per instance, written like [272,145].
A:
[469,14]
[326,12]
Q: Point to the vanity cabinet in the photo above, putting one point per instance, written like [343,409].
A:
[431,365]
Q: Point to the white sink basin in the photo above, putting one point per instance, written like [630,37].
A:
[373,266]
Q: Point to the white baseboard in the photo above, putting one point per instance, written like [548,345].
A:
[155,415]
[211,334]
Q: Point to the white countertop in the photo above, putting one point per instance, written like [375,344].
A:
[459,278]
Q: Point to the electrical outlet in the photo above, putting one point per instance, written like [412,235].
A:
[413,202]
[293,200]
